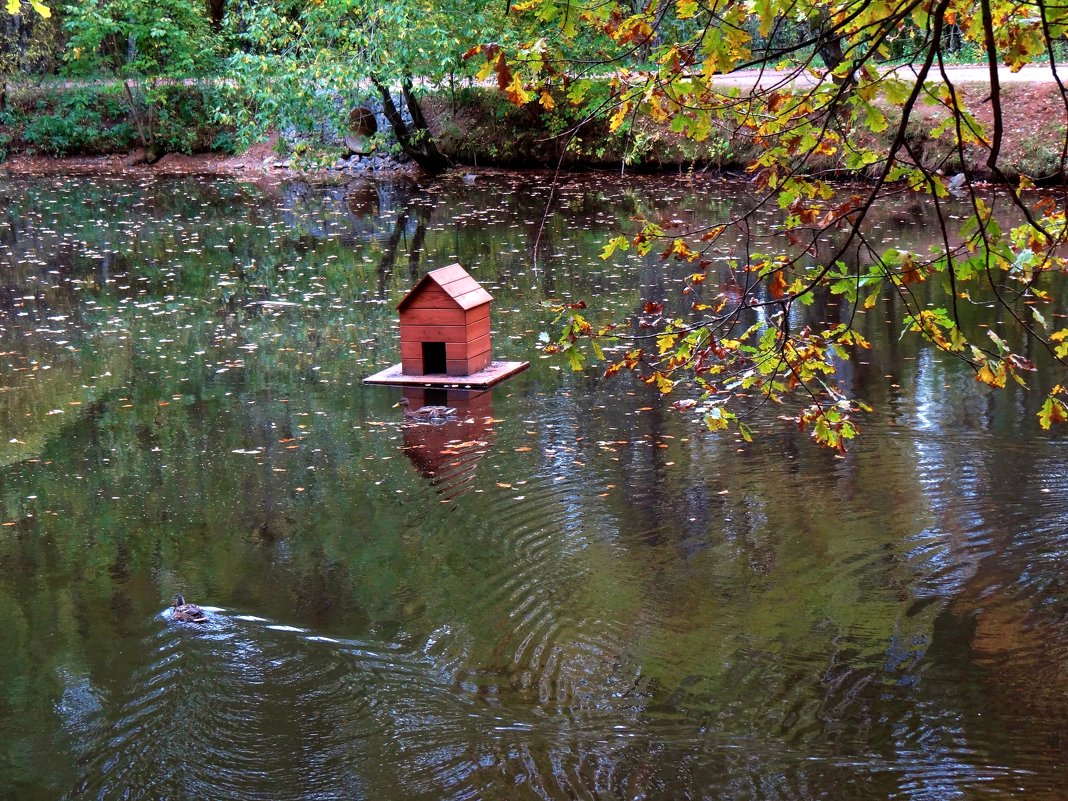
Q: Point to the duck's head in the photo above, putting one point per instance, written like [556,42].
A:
[178,600]
[402,402]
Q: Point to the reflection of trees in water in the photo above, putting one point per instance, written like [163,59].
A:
[414,215]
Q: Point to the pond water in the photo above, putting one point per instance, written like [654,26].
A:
[571,591]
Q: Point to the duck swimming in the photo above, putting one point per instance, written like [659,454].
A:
[425,414]
[187,613]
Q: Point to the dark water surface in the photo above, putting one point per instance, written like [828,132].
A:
[569,592]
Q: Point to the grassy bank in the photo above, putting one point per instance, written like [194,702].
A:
[478,126]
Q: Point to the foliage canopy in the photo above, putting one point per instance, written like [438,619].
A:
[147,46]
[837,85]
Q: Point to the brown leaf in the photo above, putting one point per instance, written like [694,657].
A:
[1021,363]
[777,284]
[504,75]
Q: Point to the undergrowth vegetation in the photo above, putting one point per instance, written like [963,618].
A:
[96,120]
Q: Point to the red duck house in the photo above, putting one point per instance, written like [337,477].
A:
[445,335]
[445,325]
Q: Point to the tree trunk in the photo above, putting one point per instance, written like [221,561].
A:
[829,44]
[416,140]
[216,12]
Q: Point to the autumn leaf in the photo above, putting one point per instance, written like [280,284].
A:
[515,90]
[1021,363]
[661,382]
[634,31]
[777,284]
[620,115]
[13,7]
[990,376]
[1052,411]
[685,8]
[666,342]
[618,242]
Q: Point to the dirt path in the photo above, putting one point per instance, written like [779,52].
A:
[961,73]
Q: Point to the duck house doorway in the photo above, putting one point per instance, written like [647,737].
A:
[434,358]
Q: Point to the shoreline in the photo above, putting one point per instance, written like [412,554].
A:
[482,131]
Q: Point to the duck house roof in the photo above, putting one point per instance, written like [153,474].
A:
[456,283]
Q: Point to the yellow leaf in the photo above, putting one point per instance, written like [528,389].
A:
[619,116]
[666,342]
[13,6]
[484,71]
[686,8]
[991,377]
[546,100]
[662,382]
[516,93]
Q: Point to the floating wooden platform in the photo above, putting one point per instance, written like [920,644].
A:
[487,377]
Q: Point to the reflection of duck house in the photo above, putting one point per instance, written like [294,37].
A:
[445,335]
[448,452]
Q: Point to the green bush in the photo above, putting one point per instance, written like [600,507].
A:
[80,121]
[97,120]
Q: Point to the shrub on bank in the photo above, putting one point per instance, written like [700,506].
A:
[95,120]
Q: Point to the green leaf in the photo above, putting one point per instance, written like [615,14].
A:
[618,242]
[575,359]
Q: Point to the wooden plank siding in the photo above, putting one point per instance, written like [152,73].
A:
[421,315]
[445,333]
[467,366]
[465,350]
